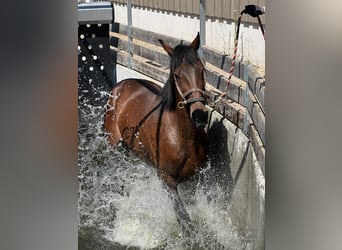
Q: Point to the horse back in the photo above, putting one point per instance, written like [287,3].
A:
[126,99]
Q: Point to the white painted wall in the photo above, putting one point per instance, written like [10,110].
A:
[219,35]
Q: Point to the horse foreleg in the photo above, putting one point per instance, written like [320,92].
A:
[183,216]
[111,125]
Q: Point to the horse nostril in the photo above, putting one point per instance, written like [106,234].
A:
[200,118]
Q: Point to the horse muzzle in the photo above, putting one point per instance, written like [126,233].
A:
[200,118]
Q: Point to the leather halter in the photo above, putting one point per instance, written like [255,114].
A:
[186,101]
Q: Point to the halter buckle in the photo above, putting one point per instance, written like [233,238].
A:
[181,105]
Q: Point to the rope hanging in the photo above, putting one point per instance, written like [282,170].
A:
[254,11]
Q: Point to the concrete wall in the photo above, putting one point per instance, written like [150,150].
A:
[241,169]
[219,34]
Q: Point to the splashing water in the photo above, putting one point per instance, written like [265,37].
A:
[122,202]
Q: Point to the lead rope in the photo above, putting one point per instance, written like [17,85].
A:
[254,11]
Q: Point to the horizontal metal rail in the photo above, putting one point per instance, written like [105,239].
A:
[95,13]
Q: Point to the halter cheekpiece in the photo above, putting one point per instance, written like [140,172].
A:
[186,101]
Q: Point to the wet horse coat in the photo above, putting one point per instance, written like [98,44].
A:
[164,126]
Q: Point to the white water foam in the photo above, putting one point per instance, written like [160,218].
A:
[146,217]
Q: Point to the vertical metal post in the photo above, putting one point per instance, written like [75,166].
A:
[202,26]
[245,122]
[129,32]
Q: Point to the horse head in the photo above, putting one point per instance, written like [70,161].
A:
[187,76]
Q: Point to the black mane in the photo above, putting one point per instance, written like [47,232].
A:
[168,92]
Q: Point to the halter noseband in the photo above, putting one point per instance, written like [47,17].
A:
[185,101]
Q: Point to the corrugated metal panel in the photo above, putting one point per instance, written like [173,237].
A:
[171,4]
[161,5]
[183,7]
[226,9]
[177,5]
[236,9]
[209,8]
[222,9]
[189,8]
[196,6]
[218,8]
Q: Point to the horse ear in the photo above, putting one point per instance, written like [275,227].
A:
[196,42]
[166,47]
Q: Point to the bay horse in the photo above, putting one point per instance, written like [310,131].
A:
[164,126]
